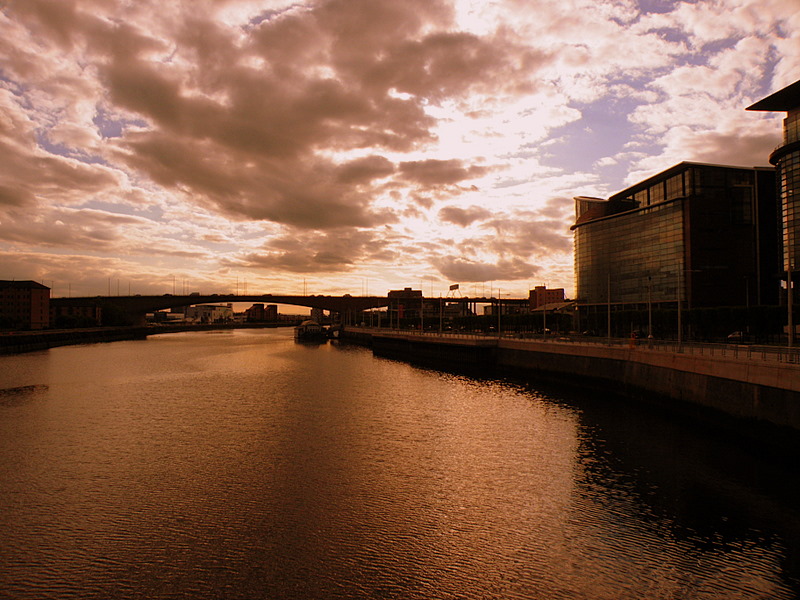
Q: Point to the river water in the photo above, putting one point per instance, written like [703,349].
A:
[239,464]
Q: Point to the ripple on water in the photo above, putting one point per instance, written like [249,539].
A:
[242,466]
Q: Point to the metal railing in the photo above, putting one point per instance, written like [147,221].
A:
[746,352]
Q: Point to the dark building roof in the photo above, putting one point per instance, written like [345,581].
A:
[21,285]
[785,99]
[405,293]
[675,169]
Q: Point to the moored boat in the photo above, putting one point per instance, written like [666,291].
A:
[310,331]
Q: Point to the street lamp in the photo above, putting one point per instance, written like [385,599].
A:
[681,271]
[649,307]
[608,298]
[790,301]
[498,312]
[678,296]
[544,317]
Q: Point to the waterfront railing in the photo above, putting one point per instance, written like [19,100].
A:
[747,352]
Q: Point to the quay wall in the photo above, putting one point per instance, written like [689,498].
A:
[15,343]
[474,353]
[748,390]
[760,397]
[30,341]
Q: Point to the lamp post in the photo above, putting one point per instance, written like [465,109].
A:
[789,286]
[608,298]
[499,310]
[649,307]
[544,319]
[678,295]
[790,301]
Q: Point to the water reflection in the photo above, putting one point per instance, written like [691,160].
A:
[242,465]
[721,505]
[20,394]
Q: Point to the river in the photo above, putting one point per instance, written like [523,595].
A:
[239,464]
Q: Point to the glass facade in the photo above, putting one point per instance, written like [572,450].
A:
[631,253]
[787,162]
[788,166]
[707,236]
[791,127]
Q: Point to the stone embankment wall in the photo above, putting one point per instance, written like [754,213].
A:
[740,388]
[29,341]
[740,391]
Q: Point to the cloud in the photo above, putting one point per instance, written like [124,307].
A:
[463,217]
[459,269]
[434,172]
[364,170]
[80,274]
[28,173]
[90,230]
[318,252]
[238,118]
[514,246]
[286,136]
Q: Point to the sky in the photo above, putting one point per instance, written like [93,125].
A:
[357,146]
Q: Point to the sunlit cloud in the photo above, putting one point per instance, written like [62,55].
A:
[355,140]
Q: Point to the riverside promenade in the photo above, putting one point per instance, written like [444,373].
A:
[757,385]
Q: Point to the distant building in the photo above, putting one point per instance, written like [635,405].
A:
[76,315]
[258,313]
[786,159]
[24,305]
[540,296]
[209,313]
[271,313]
[698,234]
[255,314]
[404,304]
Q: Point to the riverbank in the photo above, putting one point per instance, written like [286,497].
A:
[30,341]
[756,393]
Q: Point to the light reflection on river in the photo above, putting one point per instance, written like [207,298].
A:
[239,464]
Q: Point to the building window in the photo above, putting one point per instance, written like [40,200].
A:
[791,127]
[657,193]
[742,205]
[675,187]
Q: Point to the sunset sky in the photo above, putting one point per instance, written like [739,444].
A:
[357,145]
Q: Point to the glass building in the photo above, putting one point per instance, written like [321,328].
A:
[786,159]
[704,235]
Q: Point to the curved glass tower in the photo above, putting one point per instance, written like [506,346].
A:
[786,159]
